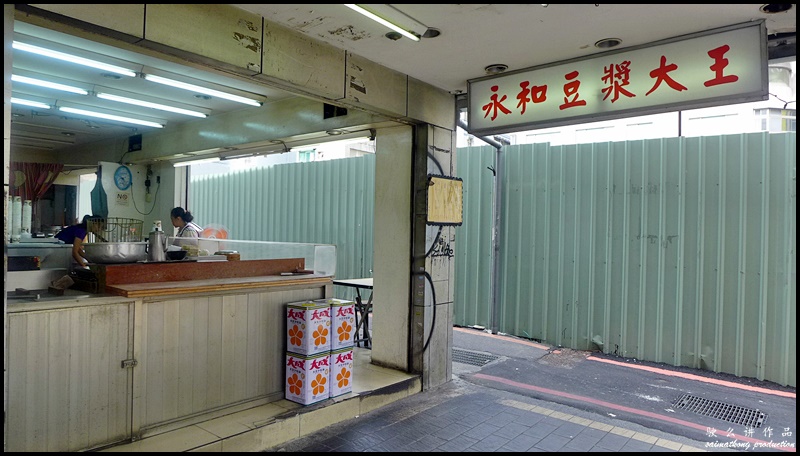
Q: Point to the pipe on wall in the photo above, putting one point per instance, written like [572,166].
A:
[496,217]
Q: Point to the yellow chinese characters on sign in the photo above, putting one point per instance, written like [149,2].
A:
[445,200]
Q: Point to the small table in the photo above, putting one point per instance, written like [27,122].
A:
[362,309]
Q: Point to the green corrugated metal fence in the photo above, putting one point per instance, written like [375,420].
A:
[324,202]
[677,250]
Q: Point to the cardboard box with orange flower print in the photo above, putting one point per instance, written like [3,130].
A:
[341,363]
[308,327]
[343,322]
[307,377]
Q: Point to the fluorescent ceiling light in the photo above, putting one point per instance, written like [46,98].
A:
[73,59]
[236,157]
[203,90]
[383,21]
[348,138]
[110,117]
[147,104]
[31,146]
[34,104]
[48,84]
[48,140]
[196,162]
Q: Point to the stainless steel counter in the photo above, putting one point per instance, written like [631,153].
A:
[51,254]
[43,295]
[71,298]
[54,263]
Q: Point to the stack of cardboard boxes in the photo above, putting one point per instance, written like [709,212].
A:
[319,349]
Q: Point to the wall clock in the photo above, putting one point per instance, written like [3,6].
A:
[123,177]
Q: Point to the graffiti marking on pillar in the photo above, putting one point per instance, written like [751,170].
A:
[442,248]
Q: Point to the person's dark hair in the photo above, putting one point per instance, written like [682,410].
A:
[96,220]
[186,216]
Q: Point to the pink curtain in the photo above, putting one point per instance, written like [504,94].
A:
[31,180]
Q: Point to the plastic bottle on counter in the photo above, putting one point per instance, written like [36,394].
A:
[25,222]
[16,221]
[10,218]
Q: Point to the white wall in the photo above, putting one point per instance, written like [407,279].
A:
[134,204]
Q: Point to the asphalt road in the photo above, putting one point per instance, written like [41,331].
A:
[696,404]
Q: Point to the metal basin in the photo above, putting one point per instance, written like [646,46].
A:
[115,252]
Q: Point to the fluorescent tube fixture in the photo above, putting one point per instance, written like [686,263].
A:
[71,58]
[47,140]
[348,138]
[48,84]
[147,104]
[199,89]
[383,21]
[33,104]
[101,115]
[236,157]
[196,162]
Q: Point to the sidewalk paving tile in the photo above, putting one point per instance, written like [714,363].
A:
[669,444]
[569,429]
[553,442]
[584,441]
[541,430]
[458,444]
[520,444]
[601,426]
[452,431]
[426,443]
[636,446]
[490,443]
[512,430]
[504,418]
[612,442]
[483,431]
[622,431]
[530,418]
[644,438]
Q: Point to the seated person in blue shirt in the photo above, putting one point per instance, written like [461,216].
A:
[76,235]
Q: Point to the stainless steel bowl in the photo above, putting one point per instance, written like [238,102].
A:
[115,252]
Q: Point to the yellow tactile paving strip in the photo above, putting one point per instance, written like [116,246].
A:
[664,443]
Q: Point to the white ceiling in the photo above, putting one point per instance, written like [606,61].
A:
[473,36]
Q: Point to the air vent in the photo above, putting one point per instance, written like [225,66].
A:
[473,358]
[720,410]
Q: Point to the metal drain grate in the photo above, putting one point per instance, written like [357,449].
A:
[473,358]
[726,412]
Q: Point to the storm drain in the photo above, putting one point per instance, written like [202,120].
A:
[726,412]
[471,357]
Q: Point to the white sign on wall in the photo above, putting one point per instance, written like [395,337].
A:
[718,67]
[123,198]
